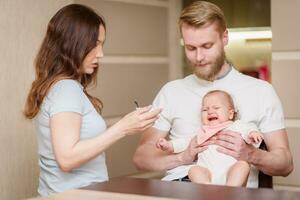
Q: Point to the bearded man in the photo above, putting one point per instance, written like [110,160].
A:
[203,29]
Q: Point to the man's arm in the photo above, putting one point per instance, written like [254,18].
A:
[149,157]
[277,161]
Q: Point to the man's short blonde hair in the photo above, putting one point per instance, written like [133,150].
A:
[202,13]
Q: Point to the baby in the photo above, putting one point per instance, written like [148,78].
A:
[218,114]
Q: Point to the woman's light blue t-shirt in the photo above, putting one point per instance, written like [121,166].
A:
[68,96]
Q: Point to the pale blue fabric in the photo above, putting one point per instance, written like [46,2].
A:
[68,96]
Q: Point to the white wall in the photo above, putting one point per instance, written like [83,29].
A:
[22,26]
[285,74]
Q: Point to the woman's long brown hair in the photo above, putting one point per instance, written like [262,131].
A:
[71,34]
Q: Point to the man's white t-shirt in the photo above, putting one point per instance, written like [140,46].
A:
[181,101]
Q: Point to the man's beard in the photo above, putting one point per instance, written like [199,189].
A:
[214,68]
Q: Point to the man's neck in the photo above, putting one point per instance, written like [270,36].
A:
[223,72]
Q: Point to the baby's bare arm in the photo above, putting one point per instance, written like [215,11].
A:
[165,145]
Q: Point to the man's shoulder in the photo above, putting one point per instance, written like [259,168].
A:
[249,81]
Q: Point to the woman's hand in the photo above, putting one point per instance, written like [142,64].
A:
[138,120]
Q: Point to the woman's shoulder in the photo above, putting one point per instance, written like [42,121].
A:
[65,87]
[66,84]
[64,96]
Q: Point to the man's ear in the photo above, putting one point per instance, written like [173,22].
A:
[225,37]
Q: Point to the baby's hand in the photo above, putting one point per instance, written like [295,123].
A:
[164,145]
[255,138]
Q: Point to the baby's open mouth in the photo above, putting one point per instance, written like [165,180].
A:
[212,118]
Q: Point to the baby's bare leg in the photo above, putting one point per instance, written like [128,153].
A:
[238,174]
[199,174]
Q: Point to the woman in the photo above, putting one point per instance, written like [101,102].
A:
[72,135]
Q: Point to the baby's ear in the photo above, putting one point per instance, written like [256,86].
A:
[231,114]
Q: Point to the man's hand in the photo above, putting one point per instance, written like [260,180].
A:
[277,161]
[190,154]
[232,144]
